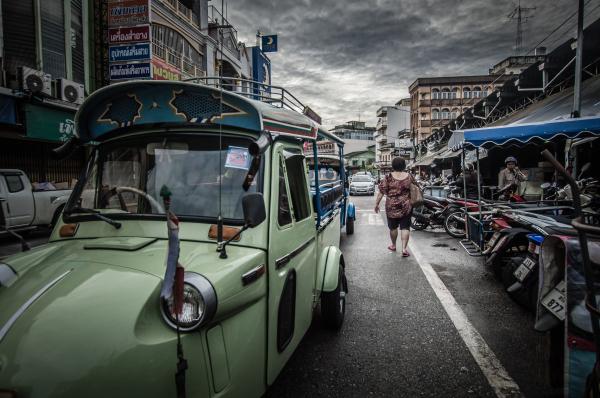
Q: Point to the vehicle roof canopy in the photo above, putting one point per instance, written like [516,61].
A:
[153,103]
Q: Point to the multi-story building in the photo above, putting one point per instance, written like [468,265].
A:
[354,130]
[516,64]
[393,126]
[435,101]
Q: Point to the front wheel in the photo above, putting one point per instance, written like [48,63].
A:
[333,304]
[454,224]
[349,226]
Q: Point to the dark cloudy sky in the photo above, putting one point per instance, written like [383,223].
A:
[343,57]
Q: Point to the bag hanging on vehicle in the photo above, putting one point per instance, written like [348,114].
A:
[416,194]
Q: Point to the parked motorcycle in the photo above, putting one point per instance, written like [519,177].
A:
[442,212]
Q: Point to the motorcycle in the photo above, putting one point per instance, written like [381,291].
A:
[442,212]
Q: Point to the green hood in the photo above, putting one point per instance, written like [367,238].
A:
[98,328]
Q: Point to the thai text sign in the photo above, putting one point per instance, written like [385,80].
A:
[128,12]
[163,71]
[142,70]
[129,35]
[131,52]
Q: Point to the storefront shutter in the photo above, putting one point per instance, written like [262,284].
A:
[19,35]
[77,41]
[53,37]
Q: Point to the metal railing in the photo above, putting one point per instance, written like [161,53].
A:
[183,63]
[183,11]
[273,95]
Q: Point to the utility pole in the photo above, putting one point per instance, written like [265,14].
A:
[520,15]
[578,63]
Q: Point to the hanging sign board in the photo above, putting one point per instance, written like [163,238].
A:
[129,35]
[128,12]
[141,70]
[131,52]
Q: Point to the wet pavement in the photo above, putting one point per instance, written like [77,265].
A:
[399,341]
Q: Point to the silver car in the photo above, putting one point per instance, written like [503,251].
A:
[362,184]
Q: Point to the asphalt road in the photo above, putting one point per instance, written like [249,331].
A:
[398,340]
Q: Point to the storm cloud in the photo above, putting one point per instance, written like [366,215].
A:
[348,57]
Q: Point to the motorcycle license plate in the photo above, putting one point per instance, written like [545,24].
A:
[555,301]
[524,269]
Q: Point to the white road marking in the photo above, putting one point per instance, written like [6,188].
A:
[498,378]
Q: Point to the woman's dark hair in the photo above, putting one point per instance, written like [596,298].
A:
[398,164]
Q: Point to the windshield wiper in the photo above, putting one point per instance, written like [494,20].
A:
[96,214]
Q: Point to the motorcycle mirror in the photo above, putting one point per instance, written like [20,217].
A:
[545,185]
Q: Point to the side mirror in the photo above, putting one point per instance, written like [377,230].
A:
[545,185]
[253,206]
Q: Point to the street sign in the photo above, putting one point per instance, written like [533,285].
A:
[163,71]
[129,35]
[141,70]
[128,12]
[269,43]
[129,52]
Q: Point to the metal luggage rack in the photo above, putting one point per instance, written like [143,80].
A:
[270,94]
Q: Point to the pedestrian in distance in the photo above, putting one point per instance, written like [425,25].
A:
[396,188]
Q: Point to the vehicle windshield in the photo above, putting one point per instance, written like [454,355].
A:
[361,178]
[127,177]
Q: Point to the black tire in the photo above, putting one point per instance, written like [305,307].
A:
[454,231]
[56,216]
[349,225]
[333,304]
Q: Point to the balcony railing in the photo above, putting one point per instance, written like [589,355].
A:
[188,67]
[215,18]
[183,11]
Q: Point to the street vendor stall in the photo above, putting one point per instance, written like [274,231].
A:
[515,134]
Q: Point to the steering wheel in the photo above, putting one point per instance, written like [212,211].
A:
[156,206]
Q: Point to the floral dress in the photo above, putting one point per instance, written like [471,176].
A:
[397,192]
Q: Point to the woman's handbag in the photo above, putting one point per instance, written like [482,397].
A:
[416,194]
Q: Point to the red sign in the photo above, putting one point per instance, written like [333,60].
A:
[128,12]
[163,71]
[129,35]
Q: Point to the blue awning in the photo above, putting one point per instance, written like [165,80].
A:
[520,134]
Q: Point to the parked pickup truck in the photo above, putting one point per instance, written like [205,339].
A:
[190,258]
[22,208]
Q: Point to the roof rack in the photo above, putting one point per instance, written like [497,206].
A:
[274,95]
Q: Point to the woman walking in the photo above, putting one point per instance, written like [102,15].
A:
[396,187]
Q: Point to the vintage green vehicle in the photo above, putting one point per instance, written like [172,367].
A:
[181,176]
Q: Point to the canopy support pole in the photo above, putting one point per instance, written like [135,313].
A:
[578,63]
[479,198]
[465,194]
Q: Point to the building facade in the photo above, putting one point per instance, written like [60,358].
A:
[354,130]
[391,132]
[435,101]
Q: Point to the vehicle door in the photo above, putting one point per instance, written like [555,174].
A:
[292,256]
[18,204]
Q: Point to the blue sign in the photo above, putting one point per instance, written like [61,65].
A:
[129,52]
[141,70]
[269,43]
[261,72]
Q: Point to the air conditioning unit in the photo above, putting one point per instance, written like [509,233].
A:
[35,81]
[70,91]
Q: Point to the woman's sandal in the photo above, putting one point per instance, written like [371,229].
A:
[405,253]
[392,248]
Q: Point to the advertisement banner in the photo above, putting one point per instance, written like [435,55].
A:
[128,12]
[131,52]
[141,70]
[49,124]
[129,35]
[163,71]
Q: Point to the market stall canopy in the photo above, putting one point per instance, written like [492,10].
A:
[541,121]
[488,137]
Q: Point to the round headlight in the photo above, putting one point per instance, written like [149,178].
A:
[199,304]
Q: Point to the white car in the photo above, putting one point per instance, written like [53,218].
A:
[362,184]
[22,208]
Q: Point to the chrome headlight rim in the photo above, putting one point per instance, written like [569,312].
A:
[207,293]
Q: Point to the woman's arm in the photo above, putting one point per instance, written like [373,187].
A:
[379,197]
